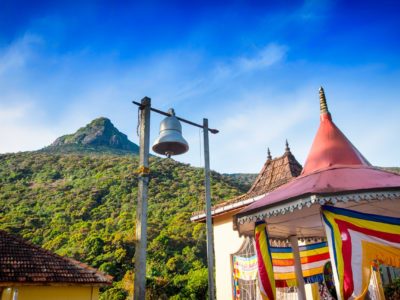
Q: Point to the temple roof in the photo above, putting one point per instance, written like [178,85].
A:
[273,174]
[333,166]
[22,263]
[331,147]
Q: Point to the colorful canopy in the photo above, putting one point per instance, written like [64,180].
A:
[356,240]
[313,258]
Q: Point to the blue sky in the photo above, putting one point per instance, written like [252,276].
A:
[253,68]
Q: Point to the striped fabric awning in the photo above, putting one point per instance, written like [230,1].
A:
[313,258]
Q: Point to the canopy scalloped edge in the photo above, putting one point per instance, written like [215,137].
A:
[299,204]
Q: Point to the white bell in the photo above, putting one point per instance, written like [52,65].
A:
[170,141]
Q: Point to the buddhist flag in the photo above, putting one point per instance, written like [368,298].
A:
[313,258]
[355,241]
[264,261]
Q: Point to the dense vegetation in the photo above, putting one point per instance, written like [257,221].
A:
[245,180]
[83,206]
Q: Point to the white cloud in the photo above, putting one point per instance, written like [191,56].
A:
[19,132]
[266,57]
[16,55]
[255,124]
[249,124]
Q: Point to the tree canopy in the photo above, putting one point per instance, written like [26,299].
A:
[83,206]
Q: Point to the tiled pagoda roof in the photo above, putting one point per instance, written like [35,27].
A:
[274,173]
[22,263]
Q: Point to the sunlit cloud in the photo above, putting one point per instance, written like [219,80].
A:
[19,132]
[268,56]
[18,53]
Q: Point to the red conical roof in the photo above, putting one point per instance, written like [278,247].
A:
[333,166]
[331,147]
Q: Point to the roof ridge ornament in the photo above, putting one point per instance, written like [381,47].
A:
[287,148]
[322,101]
[269,157]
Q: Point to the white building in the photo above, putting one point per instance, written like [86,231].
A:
[227,242]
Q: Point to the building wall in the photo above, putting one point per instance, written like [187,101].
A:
[226,242]
[50,293]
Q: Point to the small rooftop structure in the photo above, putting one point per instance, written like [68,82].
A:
[274,173]
[22,263]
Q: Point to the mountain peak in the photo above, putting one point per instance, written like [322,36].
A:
[100,135]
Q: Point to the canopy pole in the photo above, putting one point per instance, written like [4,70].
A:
[301,291]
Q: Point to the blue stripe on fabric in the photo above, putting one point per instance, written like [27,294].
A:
[363,216]
[281,249]
[269,251]
[302,248]
[313,246]
[333,241]
[314,278]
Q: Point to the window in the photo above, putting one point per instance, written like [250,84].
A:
[244,272]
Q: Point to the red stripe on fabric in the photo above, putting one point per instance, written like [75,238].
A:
[348,284]
[314,258]
[304,260]
[392,237]
[281,283]
[263,274]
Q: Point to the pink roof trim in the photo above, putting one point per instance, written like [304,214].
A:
[338,179]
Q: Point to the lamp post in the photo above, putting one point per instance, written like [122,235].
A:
[170,142]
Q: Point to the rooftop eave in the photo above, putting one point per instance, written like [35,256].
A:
[306,201]
[226,208]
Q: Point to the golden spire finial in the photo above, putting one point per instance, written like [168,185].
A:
[322,101]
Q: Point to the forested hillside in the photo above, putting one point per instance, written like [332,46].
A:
[83,206]
[245,180]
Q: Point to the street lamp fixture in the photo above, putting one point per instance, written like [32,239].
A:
[170,142]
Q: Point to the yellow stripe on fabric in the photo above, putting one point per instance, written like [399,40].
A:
[315,271]
[264,248]
[338,247]
[314,252]
[291,282]
[284,276]
[291,275]
[378,226]
[305,253]
[282,255]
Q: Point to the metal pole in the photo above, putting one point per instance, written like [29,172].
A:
[141,209]
[301,292]
[179,118]
[210,237]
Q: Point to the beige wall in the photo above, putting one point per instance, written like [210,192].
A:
[226,242]
[51,293]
